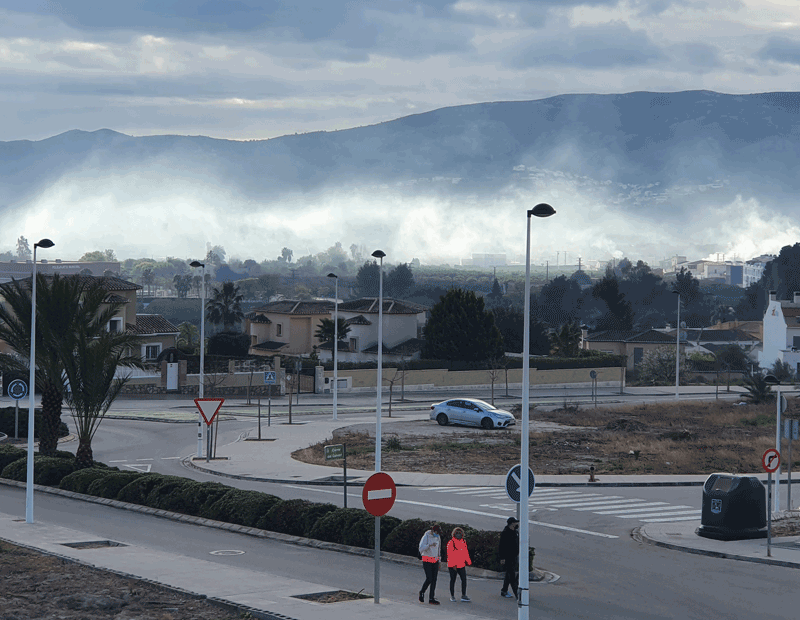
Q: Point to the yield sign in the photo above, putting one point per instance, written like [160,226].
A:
[209,407]
[379,494]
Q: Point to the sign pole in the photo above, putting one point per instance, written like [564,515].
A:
[378,496]
[16,419]
[344,456]
[789,468]
[377,560]
[778,448]
[259,418]
[269,408]
[769,515]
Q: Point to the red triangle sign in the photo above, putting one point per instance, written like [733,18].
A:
[209,407]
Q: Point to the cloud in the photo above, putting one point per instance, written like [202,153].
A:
[612,44]
[781,49]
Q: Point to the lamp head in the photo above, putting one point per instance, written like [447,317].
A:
[542,210]
[772,380]
[333,275]
[44,243]
[379,254]
[196,263]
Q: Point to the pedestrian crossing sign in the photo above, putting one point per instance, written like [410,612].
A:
[269,377]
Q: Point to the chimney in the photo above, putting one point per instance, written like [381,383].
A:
[584,335]
[773,295]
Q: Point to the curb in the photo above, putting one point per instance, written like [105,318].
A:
[537,575]
[639,532]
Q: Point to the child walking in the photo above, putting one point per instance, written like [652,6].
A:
[457,561]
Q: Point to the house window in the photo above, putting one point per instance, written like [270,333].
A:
[151,351]
[278,329]
[796,342]
[354,344]
[115,326]
[638,354]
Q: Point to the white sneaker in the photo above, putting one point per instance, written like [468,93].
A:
[465,599]
[507,595]
[452,599]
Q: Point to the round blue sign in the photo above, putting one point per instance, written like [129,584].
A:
[17,389]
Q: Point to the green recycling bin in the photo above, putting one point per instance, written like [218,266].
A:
[734,508]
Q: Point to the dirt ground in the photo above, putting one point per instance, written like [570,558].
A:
[670,438]
[35,586]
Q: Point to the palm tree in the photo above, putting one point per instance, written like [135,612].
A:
[326,333]
[189,334]
[225,306]
[758,390]
[90,366]
[565,341]
[64,307]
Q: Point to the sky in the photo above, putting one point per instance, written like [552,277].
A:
[244,70]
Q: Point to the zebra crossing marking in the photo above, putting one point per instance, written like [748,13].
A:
[642,508]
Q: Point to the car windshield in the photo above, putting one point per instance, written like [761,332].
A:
[482,405]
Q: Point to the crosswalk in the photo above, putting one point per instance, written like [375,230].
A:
[543,499]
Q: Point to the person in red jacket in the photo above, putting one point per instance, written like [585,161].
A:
[457,561]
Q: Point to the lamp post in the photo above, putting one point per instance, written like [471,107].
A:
[196,263]
[678,348]
[540,210]
[377,579]
[335,341]
[44,243]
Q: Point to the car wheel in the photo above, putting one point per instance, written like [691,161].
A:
[442,419]
[487,424]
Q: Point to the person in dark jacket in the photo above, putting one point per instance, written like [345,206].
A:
[509,556]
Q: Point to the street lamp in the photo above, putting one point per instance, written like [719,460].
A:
[678,348]
[44,243]
[335,340]
[379,255]
[540,210]
[196,263]
[773,380]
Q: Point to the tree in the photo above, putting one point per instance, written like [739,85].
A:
[758,390]
[68,309]
[559,301]
[91,360]
[225,306]
[782,371]
[367,279]
[23,249]
[188,337]
[461,329]
[565,341]
[619,313]
[286,255]
[99,256]
[354,251]
[183,283]
[148,277]
[658,366]
[511,324]
[399,281]
[215,256]
[495,297]
[326,332]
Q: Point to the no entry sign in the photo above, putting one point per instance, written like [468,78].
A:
[209,407]
[379,494]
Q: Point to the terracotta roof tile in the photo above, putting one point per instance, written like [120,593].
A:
[358,320]
[369,305]
[289,306]
[269,345]
[151,324]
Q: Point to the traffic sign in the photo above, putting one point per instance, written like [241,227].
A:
[379,494]
[269,377]
[209,407]
[514,482]
[593,374]
[17,389]
[334,452]
[771,460]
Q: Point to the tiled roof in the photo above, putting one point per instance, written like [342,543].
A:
[254,317]
[269,345]
[358,320]
[109,283]
[290,306]
[369,305]
[116,299]
[650,336]
[790,312]
[713,335]
[328,346]
[149,324]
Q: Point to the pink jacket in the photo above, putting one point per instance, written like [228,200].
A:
[457,554]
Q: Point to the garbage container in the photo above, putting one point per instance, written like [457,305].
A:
[734,508]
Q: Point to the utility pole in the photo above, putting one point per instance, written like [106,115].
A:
[579,263]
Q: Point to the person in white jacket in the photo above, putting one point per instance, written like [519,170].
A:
[430,549]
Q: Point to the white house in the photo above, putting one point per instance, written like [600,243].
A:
[402,326]
[781,332]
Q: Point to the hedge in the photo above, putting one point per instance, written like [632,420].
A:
[79,480]
[47,470]
[9,454]
[110,485]
[332,526]
[287,517]
[242,507]
[361,533]
[7,422]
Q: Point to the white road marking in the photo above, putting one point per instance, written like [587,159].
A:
[122,461]
[440,488]
[643,508]
[140,467]
[379,494]
[659,514]
[695,518]
[474,512]
[169,458]
[577,498]
[473,489]
[144,459]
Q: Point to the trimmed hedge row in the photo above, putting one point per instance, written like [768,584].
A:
[213,500]
[7,422]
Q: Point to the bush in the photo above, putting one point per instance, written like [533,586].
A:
[241,507]
[405,538]
[9,454]
[484,547]
[7,422]
[200,496]
[79,480]
[177,495]
[313,513]
[138,490]
[286,517]
[332,526]
[47,470]
[111,484]
[163,489]
[361,533]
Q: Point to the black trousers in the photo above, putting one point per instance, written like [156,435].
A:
[511,577]
[431,574]
[461,572]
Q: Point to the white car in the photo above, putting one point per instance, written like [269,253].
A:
[471,412]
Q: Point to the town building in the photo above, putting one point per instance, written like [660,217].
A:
[781,332]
